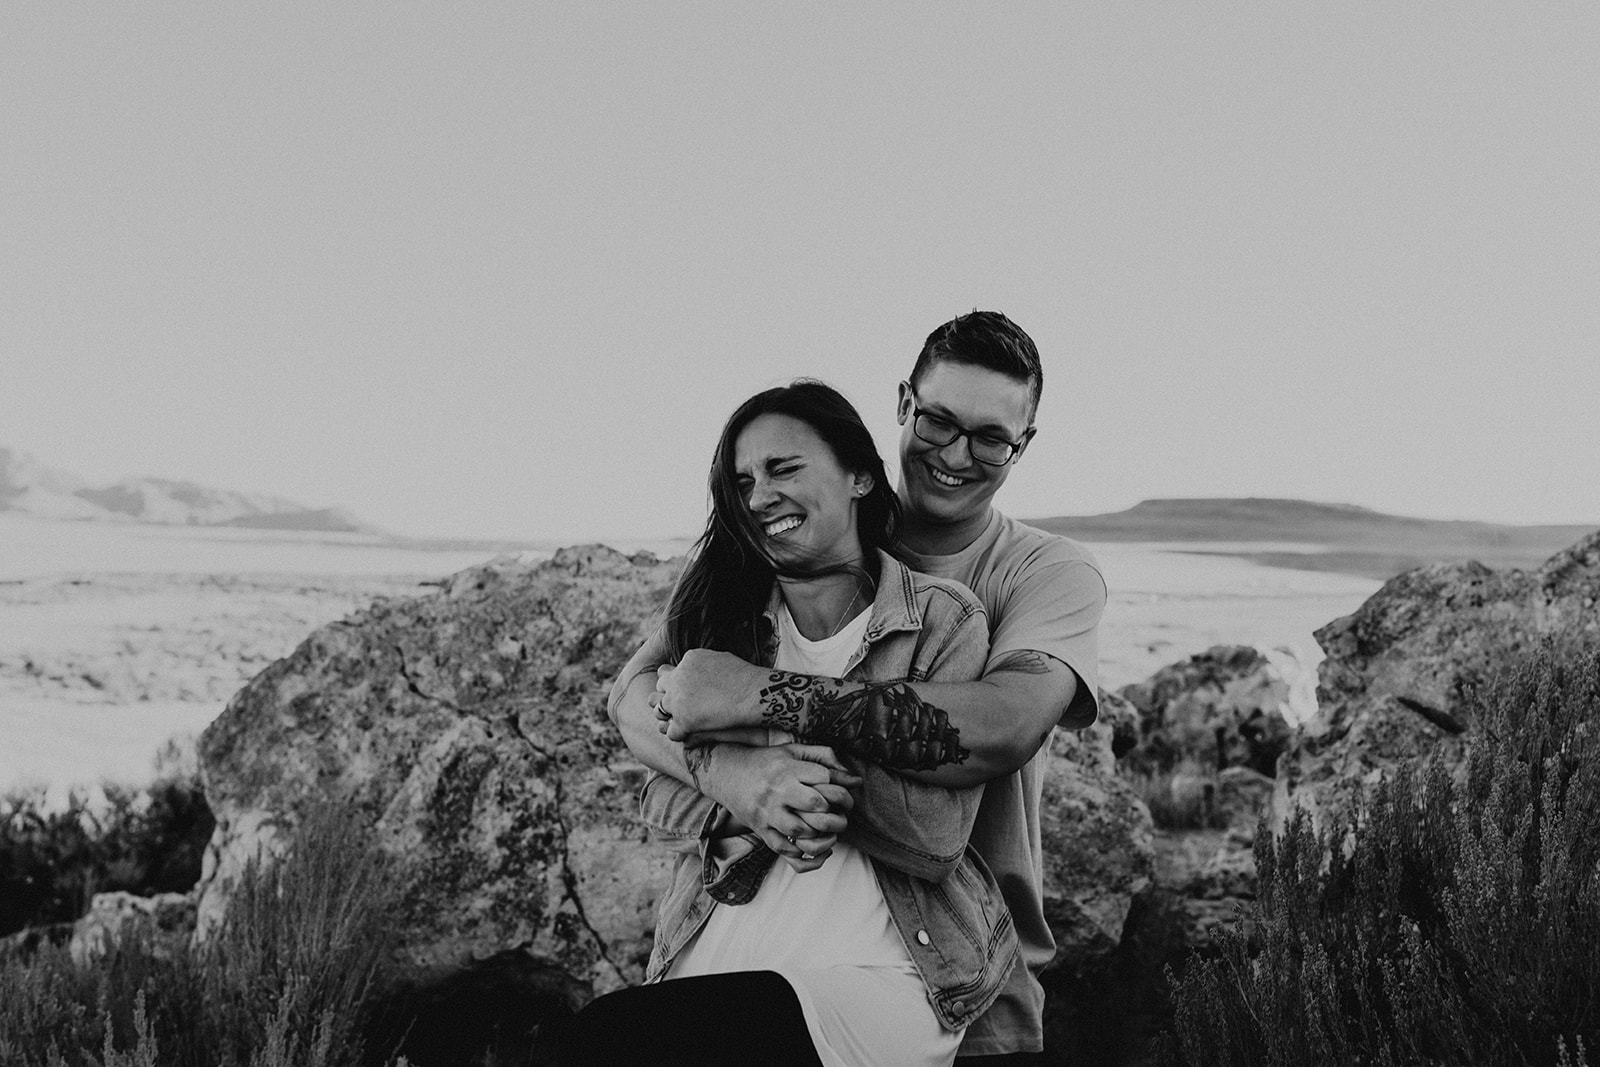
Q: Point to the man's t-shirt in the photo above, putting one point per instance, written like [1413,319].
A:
[1044,593]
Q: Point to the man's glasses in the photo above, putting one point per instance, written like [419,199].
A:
[986,448]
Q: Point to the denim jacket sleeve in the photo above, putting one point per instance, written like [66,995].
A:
[684,820]
[677,816]
[912,826]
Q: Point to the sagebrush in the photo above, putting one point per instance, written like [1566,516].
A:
[1453,919]
[285,980]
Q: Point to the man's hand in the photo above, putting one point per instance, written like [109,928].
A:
[794,797]
[709,691]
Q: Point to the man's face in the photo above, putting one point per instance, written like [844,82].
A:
[943,483]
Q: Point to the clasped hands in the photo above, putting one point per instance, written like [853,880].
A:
[794,797]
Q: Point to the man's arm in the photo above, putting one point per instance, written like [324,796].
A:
[953,734]
[1043,635]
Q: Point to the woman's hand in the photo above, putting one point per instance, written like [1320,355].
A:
[795,797]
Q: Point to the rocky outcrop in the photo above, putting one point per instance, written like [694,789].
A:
[1099,851]
[1398,674]
[164,921]
[1224,707]
[468,730]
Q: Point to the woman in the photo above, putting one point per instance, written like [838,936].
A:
[888,949]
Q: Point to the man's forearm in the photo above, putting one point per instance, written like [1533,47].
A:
[954,734]
[886,723]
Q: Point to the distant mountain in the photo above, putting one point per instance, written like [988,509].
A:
[1346,538]
[29,487]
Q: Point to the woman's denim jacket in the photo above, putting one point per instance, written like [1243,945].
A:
[944,901]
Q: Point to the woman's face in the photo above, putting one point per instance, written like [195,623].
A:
[801,498]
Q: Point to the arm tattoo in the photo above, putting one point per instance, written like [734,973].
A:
[1024,661]
[881,722]
[783,698]
[696,759]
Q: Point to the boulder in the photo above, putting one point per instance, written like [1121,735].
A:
[467,728]
[1098,843]
[1398,674]
[164,920]
[1224,707]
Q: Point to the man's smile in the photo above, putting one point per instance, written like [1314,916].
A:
[949,481]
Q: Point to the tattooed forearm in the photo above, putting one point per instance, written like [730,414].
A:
[1024,661]
[783,698]
[696,759]
[882,722]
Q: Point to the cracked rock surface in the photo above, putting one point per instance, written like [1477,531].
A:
[1398,671]
[469,726]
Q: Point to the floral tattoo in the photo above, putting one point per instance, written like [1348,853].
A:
[885,723]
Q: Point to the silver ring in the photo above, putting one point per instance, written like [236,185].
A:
[789,838]
[807,856]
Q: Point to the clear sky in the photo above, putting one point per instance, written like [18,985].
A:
[502,270]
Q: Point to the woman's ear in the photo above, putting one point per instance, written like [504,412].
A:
[863,484]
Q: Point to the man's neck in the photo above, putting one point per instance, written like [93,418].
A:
[943,538]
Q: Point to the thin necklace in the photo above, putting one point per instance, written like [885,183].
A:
[840,620]
[837,622]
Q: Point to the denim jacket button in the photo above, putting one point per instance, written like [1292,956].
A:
[959,1007]
[922,938]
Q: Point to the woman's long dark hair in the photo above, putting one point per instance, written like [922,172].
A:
[728,580]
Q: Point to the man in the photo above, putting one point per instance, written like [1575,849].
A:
[967,415]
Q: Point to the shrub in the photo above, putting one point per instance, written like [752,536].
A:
[143,841]
[1455,919]
[1182,797]
[285,979]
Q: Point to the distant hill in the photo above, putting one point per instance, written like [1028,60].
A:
[29,487]
[1349,539]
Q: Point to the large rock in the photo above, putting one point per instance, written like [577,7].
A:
[1221,708]
[1098,843]
[163,921]
[468,728]
[1395,683]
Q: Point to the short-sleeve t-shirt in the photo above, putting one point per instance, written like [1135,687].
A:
[1043,593]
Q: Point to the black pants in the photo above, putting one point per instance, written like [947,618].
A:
[719,1020]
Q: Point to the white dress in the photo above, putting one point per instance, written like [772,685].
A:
[828,931]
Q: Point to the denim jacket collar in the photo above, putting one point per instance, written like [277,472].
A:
[894,609]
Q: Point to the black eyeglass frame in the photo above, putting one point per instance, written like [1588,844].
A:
[917,415]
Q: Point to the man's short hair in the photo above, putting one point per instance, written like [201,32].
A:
[984,339]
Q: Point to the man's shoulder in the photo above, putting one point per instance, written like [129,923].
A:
[1022,545]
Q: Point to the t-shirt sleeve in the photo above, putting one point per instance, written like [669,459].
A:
[1054,606]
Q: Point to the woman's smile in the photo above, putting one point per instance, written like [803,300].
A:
[797,491]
